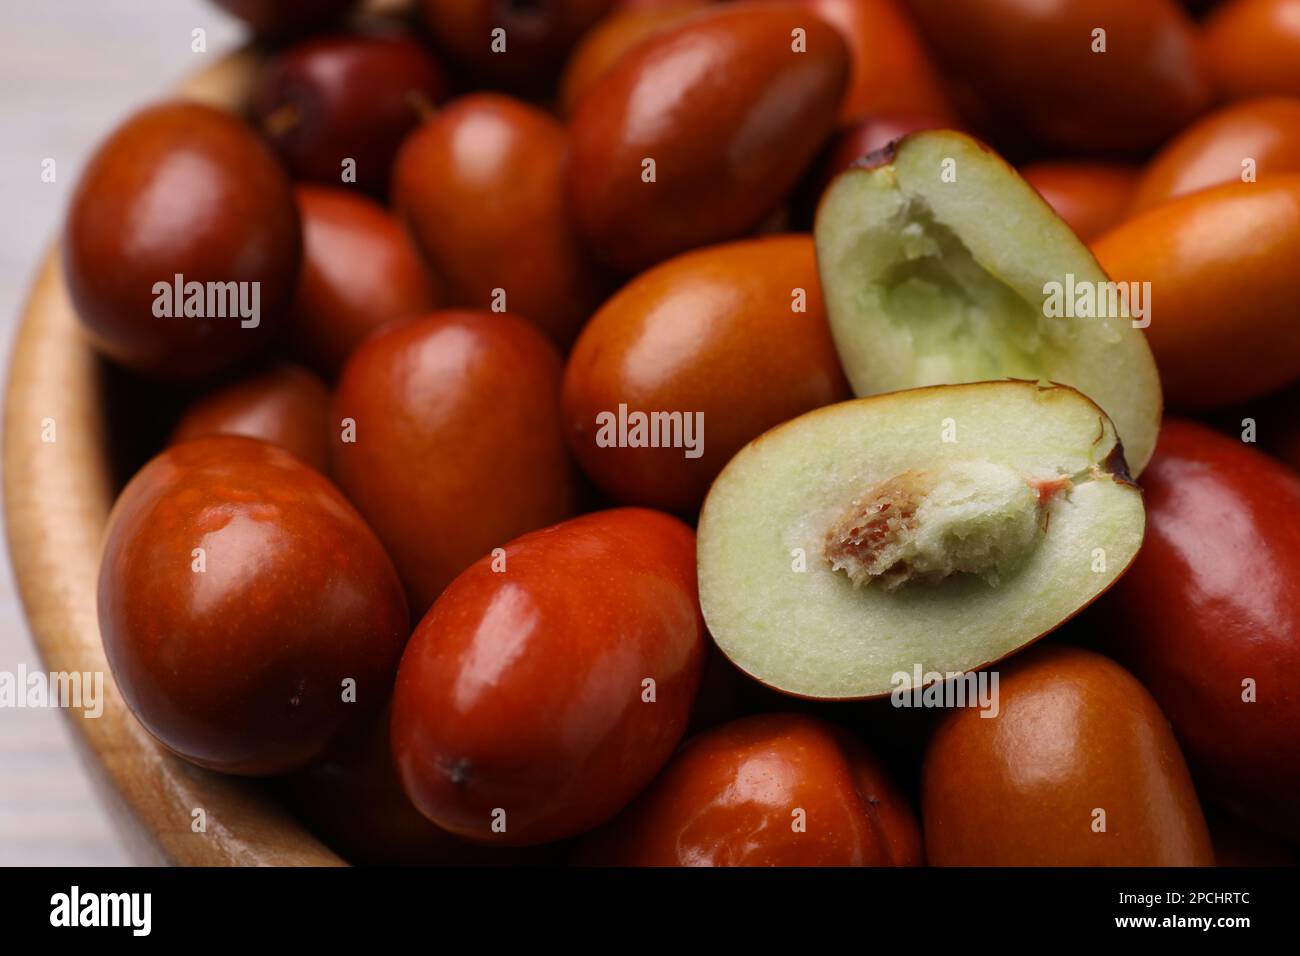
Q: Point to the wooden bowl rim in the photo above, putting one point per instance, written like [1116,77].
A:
[57,496]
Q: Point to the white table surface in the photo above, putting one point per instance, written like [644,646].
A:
[69,71]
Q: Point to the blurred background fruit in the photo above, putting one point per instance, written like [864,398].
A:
[1042,68]
[285,405]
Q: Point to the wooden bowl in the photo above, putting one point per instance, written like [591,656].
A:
[57,498]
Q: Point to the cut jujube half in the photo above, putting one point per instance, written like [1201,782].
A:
[940,527]
[941,265]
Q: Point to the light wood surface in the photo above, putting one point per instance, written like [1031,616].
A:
[57,496]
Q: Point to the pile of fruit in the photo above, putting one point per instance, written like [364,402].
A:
[658,433]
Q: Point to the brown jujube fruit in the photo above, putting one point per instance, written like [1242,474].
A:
[892,70]
[610,40]
[359,272]
[717,332]
[1223,288]
[728,113]
[1077,768]
[457,444]
[480,187]
[770,790]
[1254,47]
[1039,68]
[180,189]
[550,683]
[345,97]
[247,611]
[1209,617]
[1090,197]
[538,34]
[1216,148]
[352,796]
[284,405]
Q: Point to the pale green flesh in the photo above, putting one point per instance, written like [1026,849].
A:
[930,282]
[813,632]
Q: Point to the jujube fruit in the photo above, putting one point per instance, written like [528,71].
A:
[284,405]
[698,133]
[1044,68]
[480,187]
[549,683]
[1090,197]
[1209,617]
[533,39]
[184,195]
[771,790]
[1256,137]
[1254,47]
[730,340]
[1078,768]
[1223,288]
[247,611]
[448,439]
[341,104]
[359,272]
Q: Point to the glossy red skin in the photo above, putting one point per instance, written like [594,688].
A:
[729,798]
[522,690]
[1090,197]
[730,115]
[286,405]
[1254,47]
[240,667]
[709,332]
[610,40]
[459,443]
[360,271]
[1032,62]
[179,188]
[892,70]
[539,33]
[480,187]
[347,96]
[353,798]
[1074,733]
[1213,598]
[1211,151]
[280,17]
